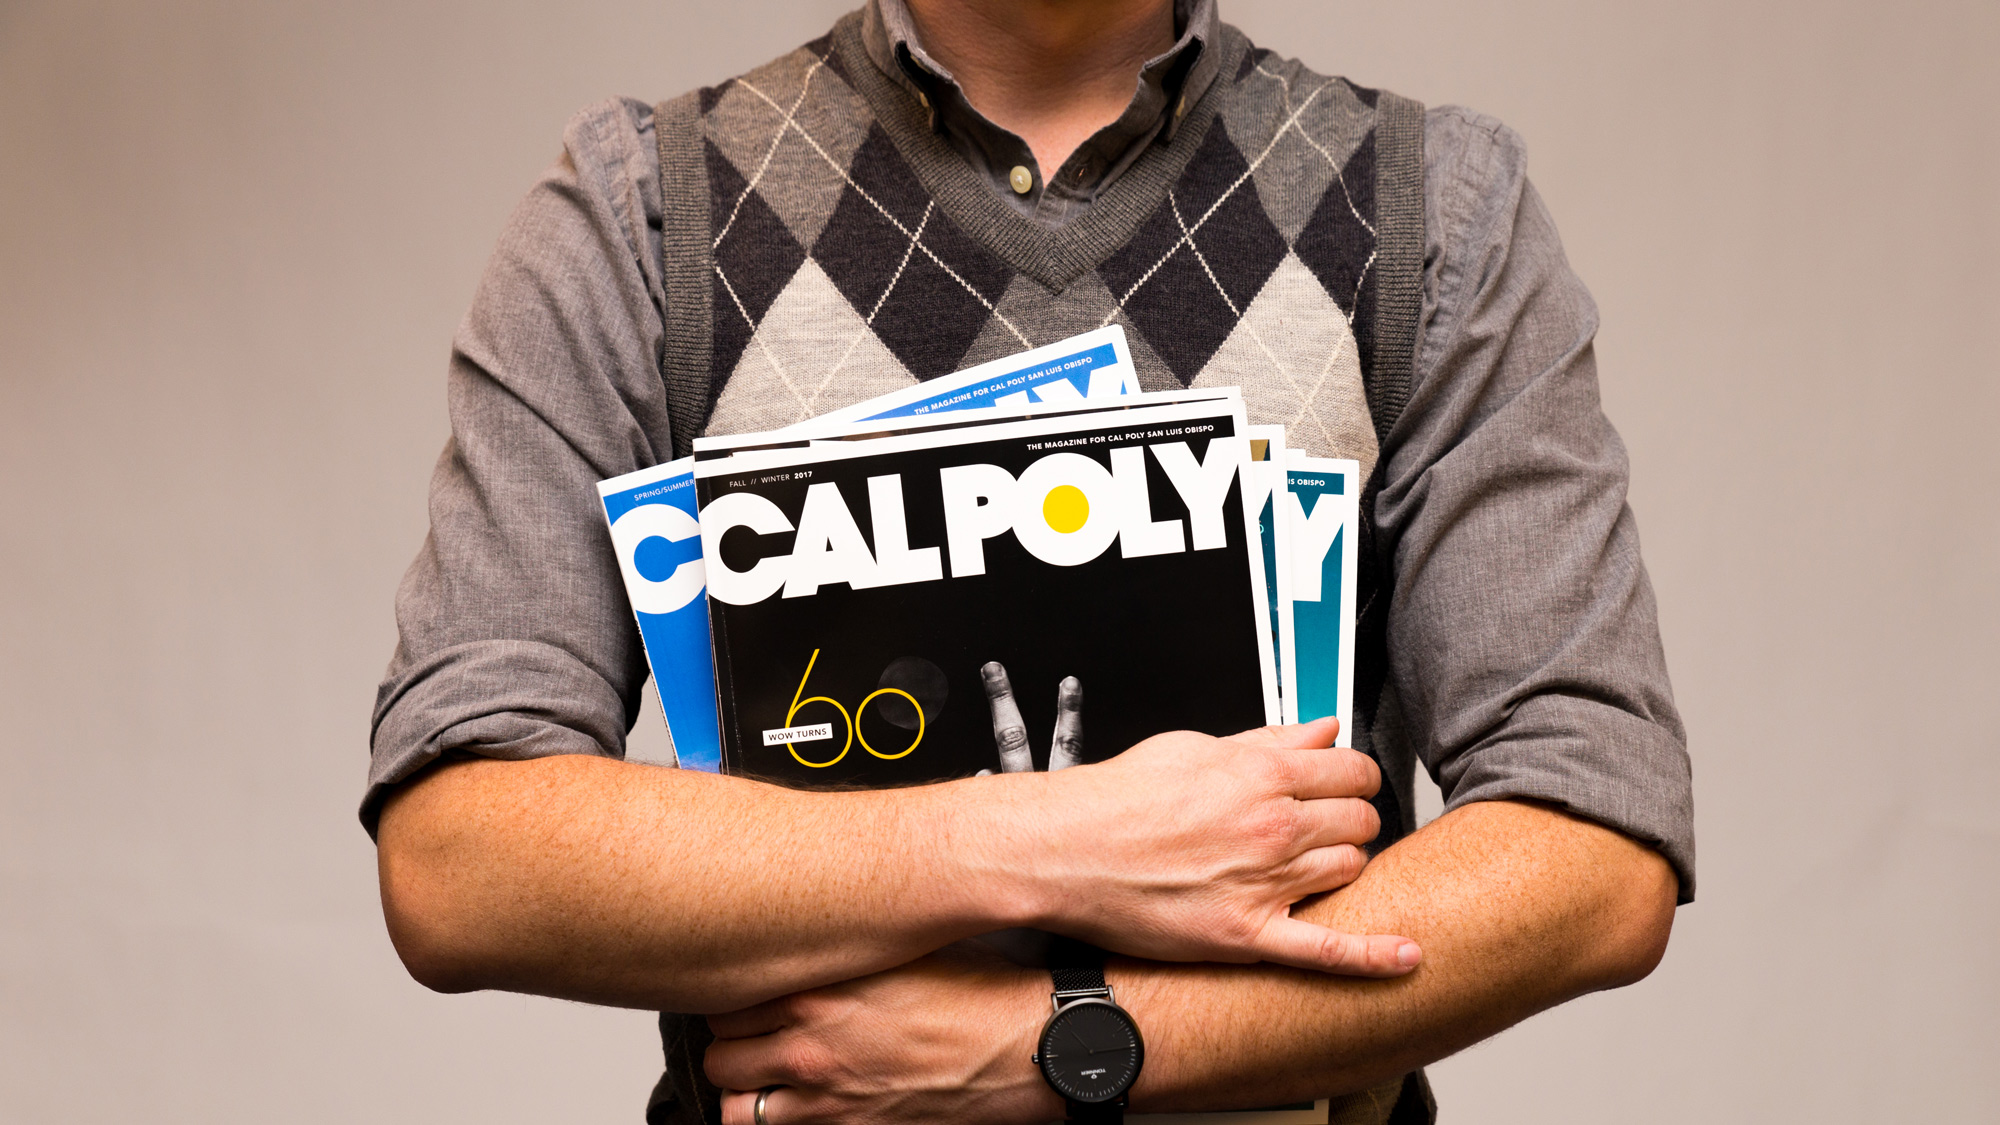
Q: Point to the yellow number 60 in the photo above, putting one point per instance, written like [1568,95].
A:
[853,729]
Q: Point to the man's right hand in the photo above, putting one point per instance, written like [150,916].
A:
[1193,848]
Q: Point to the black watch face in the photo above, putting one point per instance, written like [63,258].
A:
[1091,1051]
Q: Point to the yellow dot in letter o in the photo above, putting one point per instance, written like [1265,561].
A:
[1066,508]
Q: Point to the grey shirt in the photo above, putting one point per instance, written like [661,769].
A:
[1167,86]
[1524,654]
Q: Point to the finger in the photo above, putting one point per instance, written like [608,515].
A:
[1323,869]
[1302,945]
[758,1019]
[747,1064]
[1067,750]
[1317,734]
[1010,733]
[1330,821]
[1330,772]
[785,1106]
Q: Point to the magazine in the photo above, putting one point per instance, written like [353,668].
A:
[656,535]
[1323,499]
[895,639]
[1095,365]
[752,449]
[1112,547]
[1264,486]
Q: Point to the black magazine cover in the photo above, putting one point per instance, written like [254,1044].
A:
[858,588]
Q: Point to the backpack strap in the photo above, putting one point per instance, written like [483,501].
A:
[687,268]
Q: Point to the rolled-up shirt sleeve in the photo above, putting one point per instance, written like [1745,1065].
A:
[1523,639]
[514,637]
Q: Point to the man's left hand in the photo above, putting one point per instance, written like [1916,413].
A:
[946,1037]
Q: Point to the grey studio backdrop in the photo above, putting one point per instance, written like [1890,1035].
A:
[234,241]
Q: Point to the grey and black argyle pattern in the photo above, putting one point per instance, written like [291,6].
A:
[837,276]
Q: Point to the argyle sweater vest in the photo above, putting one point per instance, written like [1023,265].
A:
[822,246]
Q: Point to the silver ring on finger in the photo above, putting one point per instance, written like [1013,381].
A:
[757,1108]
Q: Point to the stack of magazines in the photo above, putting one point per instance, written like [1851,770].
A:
[1027,565]
[893,593]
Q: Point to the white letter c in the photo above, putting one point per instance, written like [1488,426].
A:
[742,509]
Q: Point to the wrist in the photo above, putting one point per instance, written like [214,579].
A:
[1140,989]
[1001,841]
[1048,825]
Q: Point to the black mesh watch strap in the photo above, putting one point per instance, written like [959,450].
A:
[1079,978]
[1076,966]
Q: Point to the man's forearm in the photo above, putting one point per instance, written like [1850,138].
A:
[632,885]
[1518,908]
[627,884]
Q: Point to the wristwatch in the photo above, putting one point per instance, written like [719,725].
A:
[1090,1050]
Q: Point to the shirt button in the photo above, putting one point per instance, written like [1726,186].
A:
[1020,179]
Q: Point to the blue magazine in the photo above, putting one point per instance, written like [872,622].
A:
[657,537]
[1323,497]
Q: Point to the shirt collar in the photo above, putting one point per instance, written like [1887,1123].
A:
[1184,71]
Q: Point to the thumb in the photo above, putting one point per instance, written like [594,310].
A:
[1318,734]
